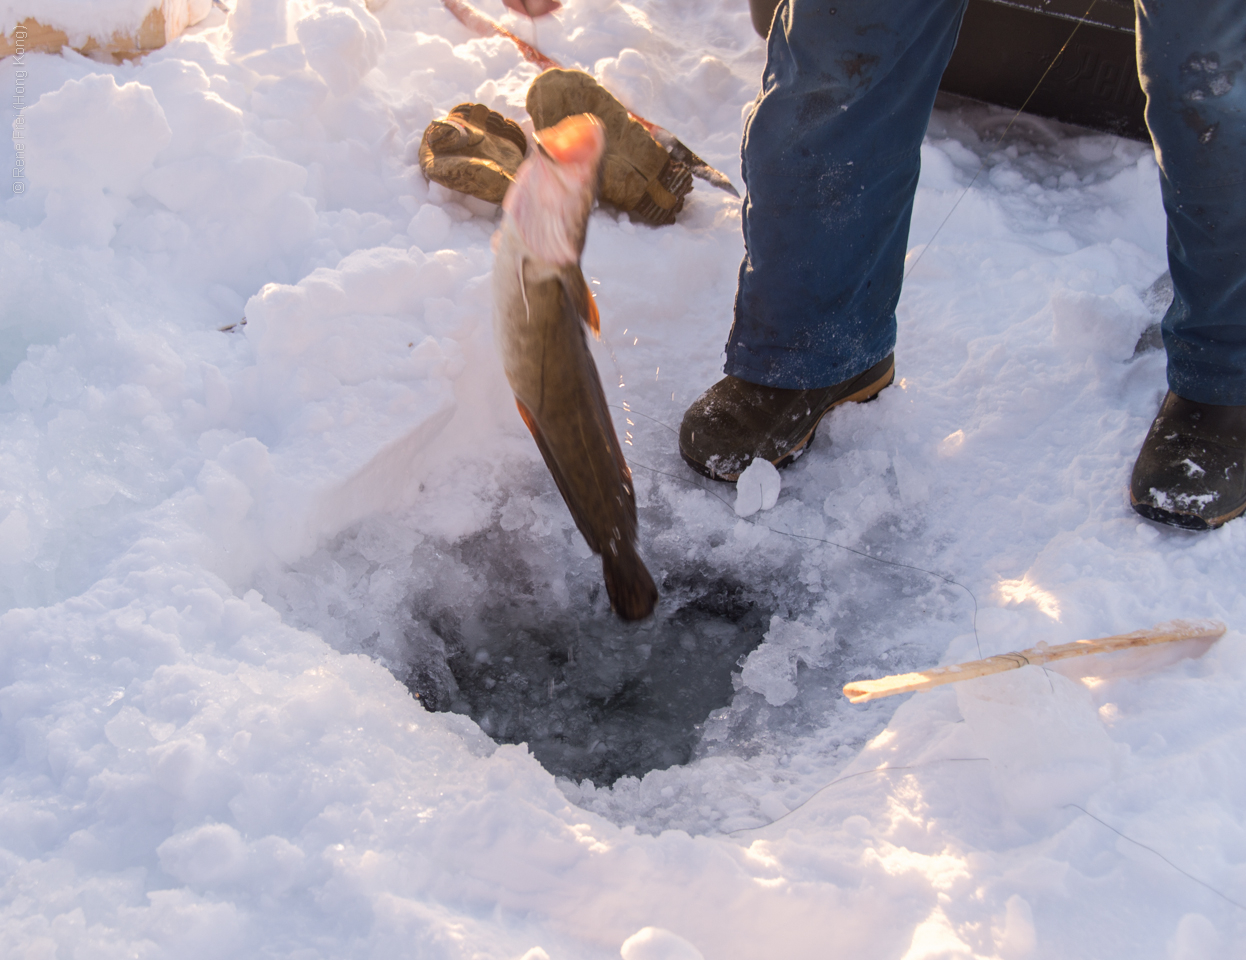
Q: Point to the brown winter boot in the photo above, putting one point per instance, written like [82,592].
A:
[474,150]
[735,422]
[637,175]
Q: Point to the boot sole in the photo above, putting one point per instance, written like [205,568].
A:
[1186,521]
[862,395]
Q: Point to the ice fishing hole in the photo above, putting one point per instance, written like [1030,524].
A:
[594,698]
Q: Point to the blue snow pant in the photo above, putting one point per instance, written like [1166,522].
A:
[831,156]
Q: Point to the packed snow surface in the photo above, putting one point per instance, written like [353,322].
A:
[232,555]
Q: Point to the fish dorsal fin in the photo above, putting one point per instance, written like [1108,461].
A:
[581,298]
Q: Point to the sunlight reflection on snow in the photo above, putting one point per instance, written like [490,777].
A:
[1018,591]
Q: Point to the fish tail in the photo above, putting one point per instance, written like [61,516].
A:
[631,589]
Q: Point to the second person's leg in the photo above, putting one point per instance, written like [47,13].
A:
[1191,471]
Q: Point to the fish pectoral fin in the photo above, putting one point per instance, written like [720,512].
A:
[560,478]
[581,298]
[529,421]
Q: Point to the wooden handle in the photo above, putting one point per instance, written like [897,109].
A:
[484,25]
[863,690]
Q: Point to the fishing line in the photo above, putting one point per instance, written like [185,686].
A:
[540,93]
[853,776]
[981,166]
[990,153]
[1144,846]
[536,45]
[1068,806]
[803,536]
[907,273]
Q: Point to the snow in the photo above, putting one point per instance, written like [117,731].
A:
[229,553]
[654,943]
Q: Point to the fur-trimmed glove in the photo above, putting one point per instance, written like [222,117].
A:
[474,150]
[638,175]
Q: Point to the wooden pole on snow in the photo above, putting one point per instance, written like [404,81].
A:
[863,690]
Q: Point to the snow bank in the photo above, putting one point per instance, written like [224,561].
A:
[225,548]
[87,192]
[352,389]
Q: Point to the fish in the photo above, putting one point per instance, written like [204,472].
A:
[542,309]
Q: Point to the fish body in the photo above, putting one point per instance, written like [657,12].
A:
[541,307]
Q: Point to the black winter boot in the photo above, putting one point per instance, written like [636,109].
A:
[1191,471]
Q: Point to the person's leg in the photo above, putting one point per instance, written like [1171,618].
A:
[831,155]
[830,158]
[1192,62]
[1191,471]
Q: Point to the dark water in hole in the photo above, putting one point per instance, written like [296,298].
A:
[593,697]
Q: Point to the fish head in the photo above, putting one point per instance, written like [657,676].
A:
[554,189]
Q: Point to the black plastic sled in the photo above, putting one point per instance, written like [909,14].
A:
[1006,45]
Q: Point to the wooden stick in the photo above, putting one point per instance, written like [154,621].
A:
[165,22]
[484,25]
[863,690]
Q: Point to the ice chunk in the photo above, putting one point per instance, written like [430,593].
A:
[430,228]
[342,44]
[97,134]
[1196,937]
[1042,734]
[654,943]
[1109,327]
[912,483]
[1019,938]
[257,24]
[97,141]
[240,211]
[15,539]
[29,386]
[771,669]
[200,120]
[203,855]
[757,488]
